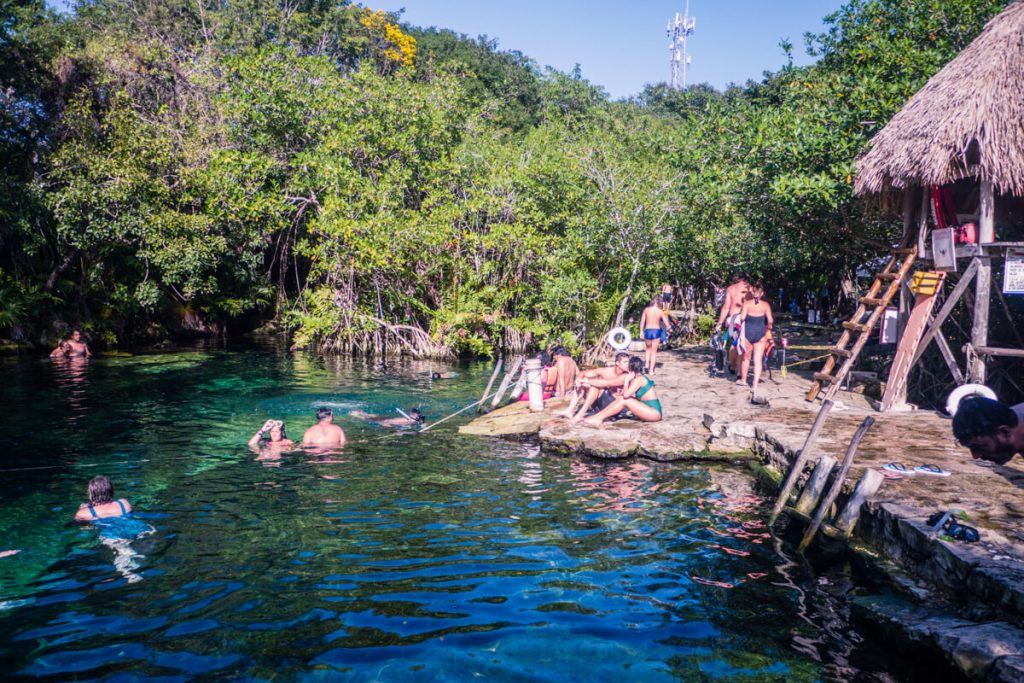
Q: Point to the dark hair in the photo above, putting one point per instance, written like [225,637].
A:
[739,277]
[636,364]
[980,416]
[323,412]
[100,490]
[559,351]
[284,435]
[545,359]
[620,355]
[416,415]
[756,284]
[435,375]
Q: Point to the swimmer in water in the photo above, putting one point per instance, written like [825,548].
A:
[413,417]
[324,434]
[443,375]
[118,528]
[72,347]
[277,440]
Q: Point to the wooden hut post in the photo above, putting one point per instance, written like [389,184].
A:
[909,216]
[983,282]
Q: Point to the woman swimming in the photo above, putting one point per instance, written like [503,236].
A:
[755,329]
[277,441]
[651,322]
[638,396]
[113,518]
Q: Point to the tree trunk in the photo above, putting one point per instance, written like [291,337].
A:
[625,297]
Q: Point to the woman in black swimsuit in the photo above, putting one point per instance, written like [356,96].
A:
[755,329]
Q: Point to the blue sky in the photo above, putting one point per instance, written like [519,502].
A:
[622,45]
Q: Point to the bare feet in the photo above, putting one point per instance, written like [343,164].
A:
[591,422]
[740,383]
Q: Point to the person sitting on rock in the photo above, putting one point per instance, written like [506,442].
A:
[991,430]
[638,396]
[597,387]
[565,370]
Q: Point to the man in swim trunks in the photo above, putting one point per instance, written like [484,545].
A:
[736,295]
[598,386]
[666,297]
[991,430]
[652,322]
[324,434]
[72,347]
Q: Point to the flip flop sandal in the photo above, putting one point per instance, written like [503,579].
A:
[892,476]
[897,467]
[931,469]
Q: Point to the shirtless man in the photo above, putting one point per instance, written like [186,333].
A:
[324,434]
[72,347]
[991,430]
[565,369]
[736,295]
[652,325]
[597,386]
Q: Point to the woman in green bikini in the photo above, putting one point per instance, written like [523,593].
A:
[638,396]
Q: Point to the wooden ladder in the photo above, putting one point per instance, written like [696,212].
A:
[878,296]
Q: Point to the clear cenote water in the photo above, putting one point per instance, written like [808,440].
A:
[406,557]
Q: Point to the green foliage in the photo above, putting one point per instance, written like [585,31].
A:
[251,159]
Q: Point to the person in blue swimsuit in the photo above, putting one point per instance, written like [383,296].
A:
[113,518]
[755,330]
[651,323]
[638,396]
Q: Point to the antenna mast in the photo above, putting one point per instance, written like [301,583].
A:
[679,28]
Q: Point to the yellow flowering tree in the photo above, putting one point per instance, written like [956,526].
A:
[391,46]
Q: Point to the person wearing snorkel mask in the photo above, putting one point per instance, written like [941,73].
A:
[277,439]
[413,417]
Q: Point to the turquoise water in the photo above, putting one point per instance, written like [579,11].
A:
[405,557]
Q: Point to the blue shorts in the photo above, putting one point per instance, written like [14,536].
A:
[652,333]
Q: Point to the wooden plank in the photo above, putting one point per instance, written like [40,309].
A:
[490,383]
[986,213]
[801,458]
[909,214]
[998,351]
[946,309]
[947,355]
[979,328]
[896,386]
[815,485]
[503,387]
[922,220]
[837,483]
[868,485]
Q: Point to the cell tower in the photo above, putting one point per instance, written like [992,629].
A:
[678,29]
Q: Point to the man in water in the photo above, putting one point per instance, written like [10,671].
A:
[73,347]
[413,417]
[324,434]
[991,430]
[736,295]
[443,375]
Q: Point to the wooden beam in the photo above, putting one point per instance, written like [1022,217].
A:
[947,355]
[946,309]
[979,328]
[986,214]
[909,215]
[998,351]
[801,459]
[922,223]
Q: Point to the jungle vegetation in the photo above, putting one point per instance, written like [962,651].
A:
[176,166]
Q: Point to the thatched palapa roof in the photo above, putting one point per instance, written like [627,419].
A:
[968,119]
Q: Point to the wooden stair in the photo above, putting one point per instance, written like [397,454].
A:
[875,301]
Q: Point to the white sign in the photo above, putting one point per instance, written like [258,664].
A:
[1013,272]
[944,250]
[890,326]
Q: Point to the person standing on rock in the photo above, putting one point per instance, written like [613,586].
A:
[736,295]
[991,430]
[652,322]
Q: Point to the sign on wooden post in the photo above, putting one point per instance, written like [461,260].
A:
[1013,272]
